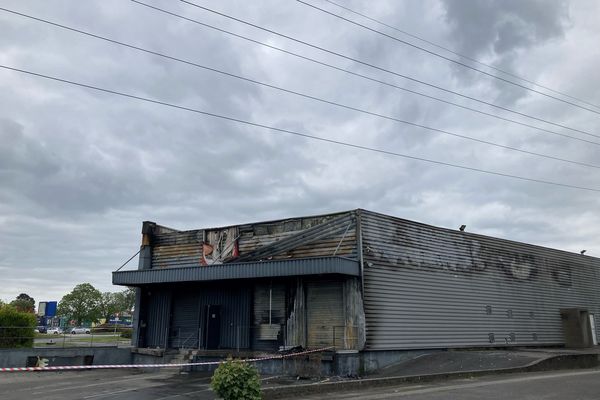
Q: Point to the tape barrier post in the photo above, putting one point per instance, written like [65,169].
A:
[116,366]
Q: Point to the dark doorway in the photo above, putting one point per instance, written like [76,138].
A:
[212,326]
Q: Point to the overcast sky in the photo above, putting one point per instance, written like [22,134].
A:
[80,170]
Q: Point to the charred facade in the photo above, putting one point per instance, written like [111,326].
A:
[354,280]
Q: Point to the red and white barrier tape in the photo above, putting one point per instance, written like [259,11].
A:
[115,366]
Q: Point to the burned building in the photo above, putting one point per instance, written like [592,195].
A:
[355,280]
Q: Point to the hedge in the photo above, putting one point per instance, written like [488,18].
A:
[16,328]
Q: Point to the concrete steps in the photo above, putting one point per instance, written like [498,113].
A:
[182,356]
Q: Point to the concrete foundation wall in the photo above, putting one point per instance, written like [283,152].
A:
[371,361]
[10,358]
[348,364]
[325,364]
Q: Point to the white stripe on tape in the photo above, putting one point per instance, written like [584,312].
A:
[115,366]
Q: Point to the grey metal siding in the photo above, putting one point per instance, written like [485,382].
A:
[158,314]
[428,287]
[324,313]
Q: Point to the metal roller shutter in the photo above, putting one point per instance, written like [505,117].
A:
[185,321]
[159,304]
[325,313]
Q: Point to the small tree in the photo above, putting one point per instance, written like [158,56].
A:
[24,303]
[82,304]
[16,327]
[125,300]
[236,380]
[108,305]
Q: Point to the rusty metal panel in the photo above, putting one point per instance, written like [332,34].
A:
[326,236]
[429,287]
[320,236]
[177,249]
[324,313]
[173,256]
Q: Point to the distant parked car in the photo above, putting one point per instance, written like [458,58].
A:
[41,329]
[75,331]
[54,331]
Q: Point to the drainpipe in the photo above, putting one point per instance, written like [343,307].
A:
[359,249]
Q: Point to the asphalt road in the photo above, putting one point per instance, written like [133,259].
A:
[554,385]
[102,384]
[167,384]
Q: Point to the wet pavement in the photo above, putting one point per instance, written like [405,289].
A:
[104,384]
[459,361]
[171,384]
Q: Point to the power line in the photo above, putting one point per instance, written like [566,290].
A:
[433,53]
[240,77]
[379,68]
[412,35]
[366,77]
[295,133]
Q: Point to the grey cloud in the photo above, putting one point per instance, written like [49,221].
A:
[500,31]
[504,25]
[80,170]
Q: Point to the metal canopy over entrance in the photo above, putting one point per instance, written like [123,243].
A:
[258,269]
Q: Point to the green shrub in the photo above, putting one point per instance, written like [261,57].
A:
[236,380]
[16,327]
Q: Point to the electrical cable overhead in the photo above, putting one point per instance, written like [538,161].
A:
[366,77]
[433,53]
[377,67]
[296,93]
[439,46]
[295,133]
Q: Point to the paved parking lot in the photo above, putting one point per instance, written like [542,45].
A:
[104,384]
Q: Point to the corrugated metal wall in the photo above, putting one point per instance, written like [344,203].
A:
[178,313]
[428,287]
[235,305]
[324,312]
[157,315]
